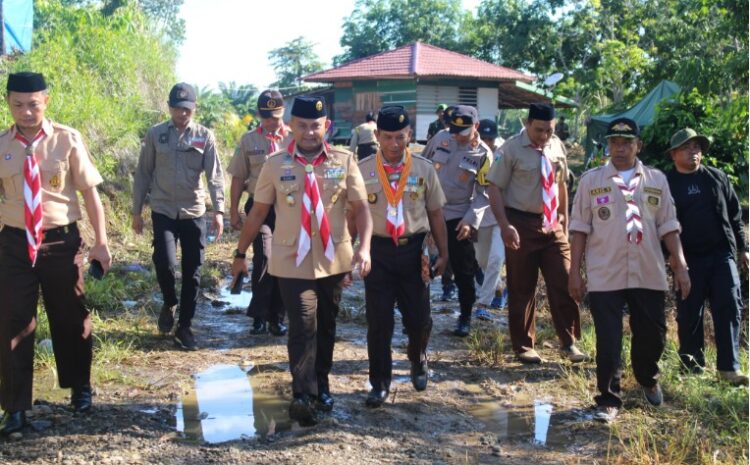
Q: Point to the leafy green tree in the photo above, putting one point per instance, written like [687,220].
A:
[292,61]
[379,25]
[241,97]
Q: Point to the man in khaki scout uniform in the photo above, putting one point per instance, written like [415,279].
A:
[621,213]
[457,163]
[174,154]
[266,307]
[363,142]
[529,199]
[42,167]
[311,186]
[405,204]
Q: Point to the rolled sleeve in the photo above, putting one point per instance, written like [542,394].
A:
[666,216]
[435,196]
[500,172]
[82,169]
[239,167]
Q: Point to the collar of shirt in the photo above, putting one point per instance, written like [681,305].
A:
[611,171]
[281,132]
[190,128]
[47,128]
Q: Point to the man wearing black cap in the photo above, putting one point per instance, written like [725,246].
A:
[43,167]
[529,199]
[173,156]
[437,125]
[363,142]
[406,202]
[458,163]
[310,186]
[713,236]
[272,135]
[621,213]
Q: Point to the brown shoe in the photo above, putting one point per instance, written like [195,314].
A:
[530,356]
[735,378]
[574,354]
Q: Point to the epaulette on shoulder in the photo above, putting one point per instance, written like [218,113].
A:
[366,159]
[422,159]
[591,170]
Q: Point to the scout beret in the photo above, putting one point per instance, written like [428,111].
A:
[541,111]
[487,129]
[26,82]
[182,95]
[622,127]
[683,136]
[463,118]
[270,104]
[393,118]
[309,107]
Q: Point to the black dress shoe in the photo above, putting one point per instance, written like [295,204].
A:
[302,410]
[325,401]
[376,398]
[462,328]
[259,327]
[12,422]
[419,375]
[80,399]
[277,329]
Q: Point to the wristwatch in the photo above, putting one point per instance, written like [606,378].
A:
[238,254]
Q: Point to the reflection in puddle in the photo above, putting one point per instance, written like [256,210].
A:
[227,404]
[241,300]
[538,425]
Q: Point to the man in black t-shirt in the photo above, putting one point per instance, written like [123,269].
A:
[713,238]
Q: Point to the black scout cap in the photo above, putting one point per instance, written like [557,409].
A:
[393,118]
[623,127]
[541,111]
[463,118]
[487,129]
[182,95]
[270,104]
[311,107]
[26,82]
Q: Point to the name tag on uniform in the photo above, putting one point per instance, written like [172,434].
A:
[652,190]
[601,190]
[198,143]
[290,177]
[371,181]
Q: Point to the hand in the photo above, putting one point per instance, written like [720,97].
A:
[464,231]
[239,265]
[218,226]
[576,286]
[440,265]
[347,281]
[511,238]
[100,252]
[87,326]
[137,224]
[682,282]
[235,221]
[362,259]
[745,260]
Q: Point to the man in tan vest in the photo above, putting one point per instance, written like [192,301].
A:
[406,203]
[43,167]
[310,185]
[272,135]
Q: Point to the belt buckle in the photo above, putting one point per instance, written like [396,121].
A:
[403,240]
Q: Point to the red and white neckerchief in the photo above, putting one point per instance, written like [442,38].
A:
[273,138]
[633,225]
[312,204]
[32,195]
[549,193]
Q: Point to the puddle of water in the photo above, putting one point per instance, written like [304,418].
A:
[226,404]
[539,425]
[241,300]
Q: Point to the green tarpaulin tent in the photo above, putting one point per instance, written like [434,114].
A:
[642,113]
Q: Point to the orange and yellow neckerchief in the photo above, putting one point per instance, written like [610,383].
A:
[393,197]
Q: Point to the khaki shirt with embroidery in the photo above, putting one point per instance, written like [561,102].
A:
[518,172]
[599,211]
[65,167]
[282,184]
[170,168]
[422,194]
[252,152]
[363,134]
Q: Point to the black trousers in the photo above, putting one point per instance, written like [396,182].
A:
[648,327]
[312,306]
[395,277]
[265,303]
[462,261]
[59,273]
[191,233]
[713,277]
[365,150]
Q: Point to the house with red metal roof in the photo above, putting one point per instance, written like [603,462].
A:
[420,77]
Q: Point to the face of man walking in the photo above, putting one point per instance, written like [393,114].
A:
[309,133]
[539,132]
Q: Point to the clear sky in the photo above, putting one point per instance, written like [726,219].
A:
[229,40]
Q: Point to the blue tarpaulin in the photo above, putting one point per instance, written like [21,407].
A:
[18,16]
